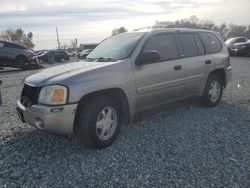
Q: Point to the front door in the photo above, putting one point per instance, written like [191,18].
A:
[161,81]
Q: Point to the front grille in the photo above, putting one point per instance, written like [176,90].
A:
[31,93]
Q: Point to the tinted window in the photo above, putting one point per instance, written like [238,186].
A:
[240,40]
[199,45]
[165,44]
[211,42]
[10,45]
[189,45]
[1,44]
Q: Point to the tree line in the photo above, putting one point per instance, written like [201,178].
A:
[226,31]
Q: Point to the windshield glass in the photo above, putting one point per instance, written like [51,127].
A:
[116,47]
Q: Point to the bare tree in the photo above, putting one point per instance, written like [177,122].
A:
[18,36]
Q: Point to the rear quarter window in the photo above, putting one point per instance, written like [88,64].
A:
[211,42]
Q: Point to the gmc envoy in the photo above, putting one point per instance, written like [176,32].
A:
[124,75]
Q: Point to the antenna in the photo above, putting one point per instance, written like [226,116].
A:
[58,42]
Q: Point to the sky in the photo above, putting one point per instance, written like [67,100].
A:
[93,20]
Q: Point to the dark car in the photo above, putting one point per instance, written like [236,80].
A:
[241,49]
[0,92]
[15,55]
[83,54]
[231,41]
[51,56]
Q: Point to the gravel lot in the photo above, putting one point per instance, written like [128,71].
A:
[179,145]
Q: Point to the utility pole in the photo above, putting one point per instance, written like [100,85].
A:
[58,42]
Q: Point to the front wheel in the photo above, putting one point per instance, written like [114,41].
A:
[213,91]
[99,121]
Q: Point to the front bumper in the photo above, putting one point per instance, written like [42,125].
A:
[56,119]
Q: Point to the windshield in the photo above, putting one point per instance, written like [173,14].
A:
[116,47]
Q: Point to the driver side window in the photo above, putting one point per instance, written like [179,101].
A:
[164,44]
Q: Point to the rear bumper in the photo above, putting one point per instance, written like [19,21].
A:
[55,119]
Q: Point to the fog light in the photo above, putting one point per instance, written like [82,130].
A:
[39,123]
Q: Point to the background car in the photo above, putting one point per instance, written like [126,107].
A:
[0,92]
[83,54]
[231,41]
[15,55]
[51,56]
[241,49]
[72,53]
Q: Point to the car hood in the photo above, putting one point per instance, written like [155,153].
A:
[58,74]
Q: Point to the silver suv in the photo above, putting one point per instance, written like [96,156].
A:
[124,75]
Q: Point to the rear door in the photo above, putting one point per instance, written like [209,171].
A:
[162,81]
[194,60]
[199,51]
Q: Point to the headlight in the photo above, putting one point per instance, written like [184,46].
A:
[53,95]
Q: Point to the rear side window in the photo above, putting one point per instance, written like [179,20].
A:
[165,44]
[189,45]
[241,40]
[1,44]
[211,42]
[11,45]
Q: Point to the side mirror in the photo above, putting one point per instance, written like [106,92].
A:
[147,57]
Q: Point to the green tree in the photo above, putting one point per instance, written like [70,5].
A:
[18,36]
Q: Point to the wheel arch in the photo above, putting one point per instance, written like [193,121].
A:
[21,56]
[221,73]
[115,93]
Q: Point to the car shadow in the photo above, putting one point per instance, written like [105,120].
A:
[12,70]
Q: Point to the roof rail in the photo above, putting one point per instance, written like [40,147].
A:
[147,27]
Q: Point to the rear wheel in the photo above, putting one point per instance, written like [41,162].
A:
[213,91]
[99,122]
[21,61]
[62,60]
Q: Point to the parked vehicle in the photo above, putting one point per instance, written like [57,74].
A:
[230,42]
[0,93]
[241,49]
[15,55]
[51,56]
[72,53]
[83,54]
[124,75]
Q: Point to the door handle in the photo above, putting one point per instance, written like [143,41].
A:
[177,67]
[208,62]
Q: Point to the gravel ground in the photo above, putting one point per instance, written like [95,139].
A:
[180,145]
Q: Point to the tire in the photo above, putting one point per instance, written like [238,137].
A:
[213,91]
[21,61]
[62,60]
[105,111]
